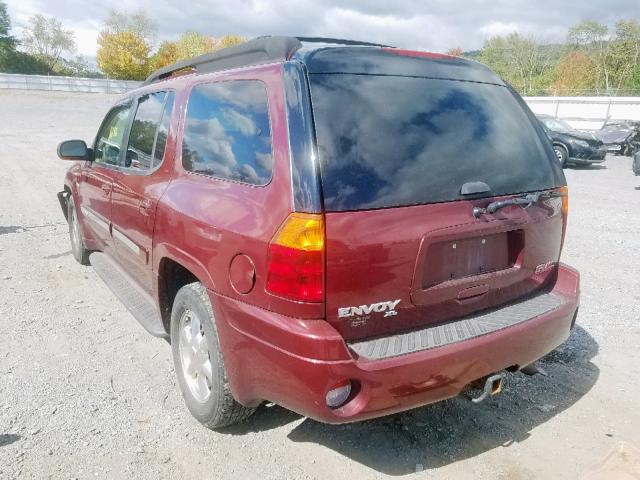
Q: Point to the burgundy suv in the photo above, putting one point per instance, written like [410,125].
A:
[345,229]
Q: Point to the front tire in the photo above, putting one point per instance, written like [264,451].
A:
[80,252]
[561,154]
[198,360]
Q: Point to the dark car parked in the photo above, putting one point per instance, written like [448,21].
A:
[337,227]
[572,146]
[620,137]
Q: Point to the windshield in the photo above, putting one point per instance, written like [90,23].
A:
[557,125]
[387,141]
[612,127]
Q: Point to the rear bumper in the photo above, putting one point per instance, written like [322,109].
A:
[295,362]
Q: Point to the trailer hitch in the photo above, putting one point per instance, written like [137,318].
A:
[492,386]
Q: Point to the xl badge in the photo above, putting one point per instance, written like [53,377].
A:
[389,309]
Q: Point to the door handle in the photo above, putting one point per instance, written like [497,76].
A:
[106,188]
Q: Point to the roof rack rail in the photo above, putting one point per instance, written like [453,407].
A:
[256,51]
[340,41]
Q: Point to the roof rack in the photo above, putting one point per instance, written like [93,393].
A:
[254,52]
[340,41]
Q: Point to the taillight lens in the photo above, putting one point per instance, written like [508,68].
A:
[564,191]
[296,259]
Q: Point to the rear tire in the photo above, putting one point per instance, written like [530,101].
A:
[80,252]
[561,154]
[198,360]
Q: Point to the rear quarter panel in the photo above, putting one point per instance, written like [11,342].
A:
[204,222]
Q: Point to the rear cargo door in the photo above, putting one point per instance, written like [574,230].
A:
[403,246]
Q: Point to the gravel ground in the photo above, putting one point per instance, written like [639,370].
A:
[86,393]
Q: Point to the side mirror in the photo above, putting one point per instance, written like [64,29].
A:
[74,150]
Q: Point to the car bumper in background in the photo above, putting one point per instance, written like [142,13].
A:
[294,362]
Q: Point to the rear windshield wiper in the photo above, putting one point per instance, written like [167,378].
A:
[526,200]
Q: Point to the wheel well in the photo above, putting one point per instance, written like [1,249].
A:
[171,277]
[558,144]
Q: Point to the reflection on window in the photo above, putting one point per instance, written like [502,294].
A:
[227,133]
[388,141]
[143,131]
[111,136]
[163,131]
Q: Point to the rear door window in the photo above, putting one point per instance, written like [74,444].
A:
[143,131]
[387,141]
[227,132]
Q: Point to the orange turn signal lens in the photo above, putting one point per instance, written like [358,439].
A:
[564,192]
[302,231]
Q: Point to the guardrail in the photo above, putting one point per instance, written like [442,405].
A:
[587,113]
[65,84]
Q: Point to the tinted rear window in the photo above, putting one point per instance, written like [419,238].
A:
[386,141]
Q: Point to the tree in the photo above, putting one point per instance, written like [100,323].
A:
[123,55]
[7,42]
[124,45]
[46,38]
[189,45]
[166,55]
[518,59]
[138,23]
[229,41]
[455,52]
[575,72]
[625,54]
[593,38]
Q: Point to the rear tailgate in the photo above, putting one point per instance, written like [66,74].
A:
[388,271]
[403,161]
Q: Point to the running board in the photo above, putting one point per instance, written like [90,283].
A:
[482,323]
[132,296]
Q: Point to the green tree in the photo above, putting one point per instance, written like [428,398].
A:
[46,39]
[123,55]
[593,38]
[7,42]
[625,54]
[519,59]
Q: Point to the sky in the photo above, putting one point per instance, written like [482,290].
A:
[434,25]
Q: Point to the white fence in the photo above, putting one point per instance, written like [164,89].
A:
[587,113]
[65,84]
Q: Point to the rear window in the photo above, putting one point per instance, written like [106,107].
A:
[387,141]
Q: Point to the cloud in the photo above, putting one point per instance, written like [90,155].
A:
[436,25]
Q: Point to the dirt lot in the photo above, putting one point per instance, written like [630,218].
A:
[86,393]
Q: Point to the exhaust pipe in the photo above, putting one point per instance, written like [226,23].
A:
[492,386]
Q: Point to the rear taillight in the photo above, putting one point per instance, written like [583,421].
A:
[564,192]
[564,195]
[296,259]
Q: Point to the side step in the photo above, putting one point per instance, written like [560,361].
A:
[137,301]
